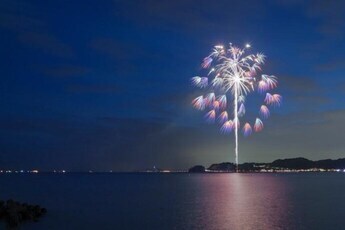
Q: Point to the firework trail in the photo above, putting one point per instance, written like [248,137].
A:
[234,74]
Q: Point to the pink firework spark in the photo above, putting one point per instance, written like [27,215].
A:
[264,111]
[276,100]
[199,103]
[222,101]
[210,97]
[262,86]
[223,117]
[227,127]
[210,116]
[207,62]
[215,105]
[271,81]
[258,126]
[268,98]
[247,130]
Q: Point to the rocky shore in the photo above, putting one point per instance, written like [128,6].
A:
[14,213]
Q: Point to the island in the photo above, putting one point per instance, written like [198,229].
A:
[197,169]
[299,164]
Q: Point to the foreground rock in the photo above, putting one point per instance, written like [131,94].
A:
[197,169]
[15,213]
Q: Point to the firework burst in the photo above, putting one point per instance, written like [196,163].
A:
[234,74]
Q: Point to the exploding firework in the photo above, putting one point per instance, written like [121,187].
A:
[233,74]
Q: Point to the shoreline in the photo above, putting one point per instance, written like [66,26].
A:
[183,172]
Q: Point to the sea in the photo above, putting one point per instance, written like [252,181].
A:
[229,201]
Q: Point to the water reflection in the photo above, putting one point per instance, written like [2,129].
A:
[245,201]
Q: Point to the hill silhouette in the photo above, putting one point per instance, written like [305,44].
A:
[298,163]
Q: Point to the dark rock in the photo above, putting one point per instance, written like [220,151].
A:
[14,212]
[12,217]
[9,202]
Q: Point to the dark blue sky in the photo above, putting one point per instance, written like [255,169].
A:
[105,85]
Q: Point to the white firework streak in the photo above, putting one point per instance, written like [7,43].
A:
[234,74]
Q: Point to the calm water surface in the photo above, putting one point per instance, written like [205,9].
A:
[182,201]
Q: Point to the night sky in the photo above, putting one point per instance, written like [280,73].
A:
[105,85]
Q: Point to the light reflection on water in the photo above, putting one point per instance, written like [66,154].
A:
[182,201]
[247,201]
